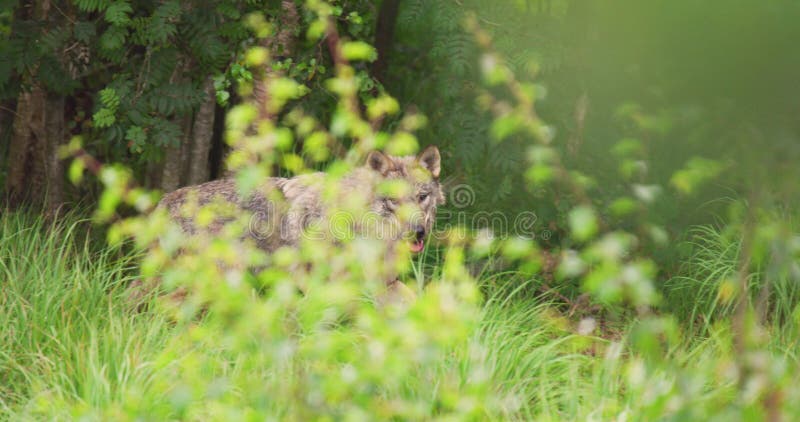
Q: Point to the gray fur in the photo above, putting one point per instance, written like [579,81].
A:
[282,209]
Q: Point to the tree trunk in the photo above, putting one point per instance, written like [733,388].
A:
[35,173]
[26,180]
[202,133]
[384,37]
[54,166]
[152,174]
[21,139]
[6,124]
[173,174]
[218,146]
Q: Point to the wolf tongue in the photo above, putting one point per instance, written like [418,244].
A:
[417,246]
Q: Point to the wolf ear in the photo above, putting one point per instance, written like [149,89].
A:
[430,160]
[379,162]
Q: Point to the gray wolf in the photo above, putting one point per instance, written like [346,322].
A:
[389,198]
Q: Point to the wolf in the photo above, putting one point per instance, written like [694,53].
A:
[392,198]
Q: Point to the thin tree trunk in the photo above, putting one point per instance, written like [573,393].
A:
[218,146]
[173,174]
[152,174]
[54,128]
[21,138]
[384,37]
[35,173]
[27,155]
[186,147]
[202,133]
[6,125]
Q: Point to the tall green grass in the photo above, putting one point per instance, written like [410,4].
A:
[697,295]
[66,333]
[72,347]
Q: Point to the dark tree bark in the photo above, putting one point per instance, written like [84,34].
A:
[27,155]
[152,174]
[35,172]
[384,37]
[218,146]
[202,134]
[34,169]
[6,125]
[173,174]
[54,165]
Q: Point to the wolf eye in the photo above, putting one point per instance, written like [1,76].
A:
[422,197]
[390,203]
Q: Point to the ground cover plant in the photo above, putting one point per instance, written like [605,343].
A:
[566,278]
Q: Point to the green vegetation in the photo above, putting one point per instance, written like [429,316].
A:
[619,240]
[69,341]
[73,347]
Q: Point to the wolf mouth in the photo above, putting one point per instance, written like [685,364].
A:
[418,243]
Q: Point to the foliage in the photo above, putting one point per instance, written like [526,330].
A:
[544,364]
[67,334]
[596,320]
[138,68]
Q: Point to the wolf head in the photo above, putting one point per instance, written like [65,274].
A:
[411,205]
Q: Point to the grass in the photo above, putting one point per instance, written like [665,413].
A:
[72,346]
[65,329]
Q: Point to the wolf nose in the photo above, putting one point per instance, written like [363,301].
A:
[419,232]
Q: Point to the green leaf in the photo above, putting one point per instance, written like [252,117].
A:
[91,5]
[571,265]
[505,126]
[113,38]
[583,223]
[623,206]
[222,97]
[104,118]
[359,51]
[316,29]
[402,143]
[646,193]
[628,148]
[109,98]
[658,235]
[381,106]
[316,146]
[117,12]
[84,31]
[542,155]
[250,178]
[283,89]
[137,137]
[107,205]
[76,171]
[697,172]
[517,248]
[539,174]
[494,71]
[256,56]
